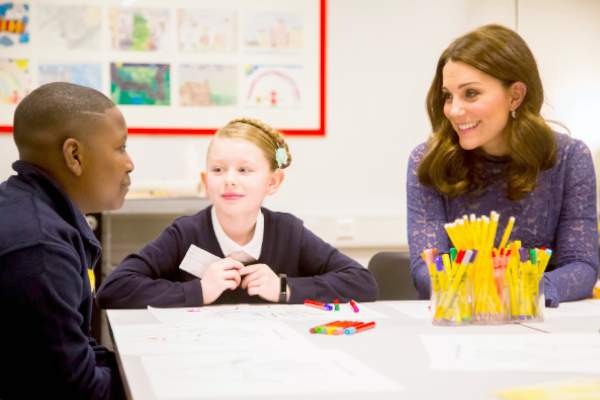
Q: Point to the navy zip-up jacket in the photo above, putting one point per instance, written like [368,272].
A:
[46,249]
[315,270]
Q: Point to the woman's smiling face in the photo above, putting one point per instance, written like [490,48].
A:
[478,106]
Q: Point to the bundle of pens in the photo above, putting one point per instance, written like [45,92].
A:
[342,327]
[490,300]
[525,275]
[449,278]
[494,285]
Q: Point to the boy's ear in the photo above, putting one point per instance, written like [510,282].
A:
[275,181]
[72,151]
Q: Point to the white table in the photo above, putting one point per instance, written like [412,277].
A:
[395,350]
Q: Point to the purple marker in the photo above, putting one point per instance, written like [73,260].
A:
[473,257]
[523,254]
[439,264]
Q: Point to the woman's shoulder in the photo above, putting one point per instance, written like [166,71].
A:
[570,148]
[417,154]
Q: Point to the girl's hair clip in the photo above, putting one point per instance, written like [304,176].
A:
[280,156]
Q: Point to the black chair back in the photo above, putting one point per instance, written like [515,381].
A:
[391,270]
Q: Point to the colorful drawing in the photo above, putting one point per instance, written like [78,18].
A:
[273,85]
[139,29]
[273,31]
[140,84]
[15,81]
[14,24]
[207,31]
[70,27]
[207,85]
[89,75]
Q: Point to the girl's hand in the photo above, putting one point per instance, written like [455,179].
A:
[220,276]
[261,280]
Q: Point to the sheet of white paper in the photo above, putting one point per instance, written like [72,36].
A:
[261,373]
[197,261]
[418,309]
[209,337]
[578,353]
[276,312]
[574,309]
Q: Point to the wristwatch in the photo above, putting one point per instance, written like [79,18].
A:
[283,288]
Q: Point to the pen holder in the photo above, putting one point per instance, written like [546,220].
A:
[451,301]
[491,297]
[527,301]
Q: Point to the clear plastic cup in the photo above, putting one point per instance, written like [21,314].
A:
[451,301]
[527,298]
[491,297]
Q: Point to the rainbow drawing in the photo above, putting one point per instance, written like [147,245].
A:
[15,81]
[273,86]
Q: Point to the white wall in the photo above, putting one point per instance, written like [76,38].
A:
[381,57]
[564,36]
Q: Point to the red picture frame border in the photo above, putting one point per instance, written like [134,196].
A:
[296,132]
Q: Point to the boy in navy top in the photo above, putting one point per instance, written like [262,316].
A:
[290,264]
[72,161]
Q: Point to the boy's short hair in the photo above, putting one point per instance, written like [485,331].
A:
[59,107]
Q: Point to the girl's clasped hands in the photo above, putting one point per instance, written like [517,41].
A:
[257,279]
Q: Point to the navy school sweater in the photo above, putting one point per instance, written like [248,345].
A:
[315,270]
[46,249]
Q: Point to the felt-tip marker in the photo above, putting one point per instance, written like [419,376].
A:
[355,329]
[316,304]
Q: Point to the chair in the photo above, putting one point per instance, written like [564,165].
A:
[391,270]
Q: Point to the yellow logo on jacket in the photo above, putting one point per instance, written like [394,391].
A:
[92,279]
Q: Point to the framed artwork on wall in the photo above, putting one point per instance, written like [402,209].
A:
[185,67]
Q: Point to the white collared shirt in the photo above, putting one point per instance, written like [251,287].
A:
[228,246]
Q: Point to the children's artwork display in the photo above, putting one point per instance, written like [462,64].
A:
[177,67]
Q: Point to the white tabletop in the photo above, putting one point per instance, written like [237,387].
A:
[396,351]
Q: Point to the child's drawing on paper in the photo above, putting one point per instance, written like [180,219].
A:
[139,29]
[15,81]
[14,24]
[273,86]
[70,27]
[140,84]
[207,85]
[273,31]
[89,75]
[207,31]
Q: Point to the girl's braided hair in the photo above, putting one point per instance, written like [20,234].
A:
[261,135]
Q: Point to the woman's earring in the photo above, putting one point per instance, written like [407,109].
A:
[513,114]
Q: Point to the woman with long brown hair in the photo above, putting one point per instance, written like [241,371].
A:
[491,150]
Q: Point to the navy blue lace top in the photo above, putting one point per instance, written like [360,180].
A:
[560,214]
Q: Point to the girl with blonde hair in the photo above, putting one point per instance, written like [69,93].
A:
[265,256]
